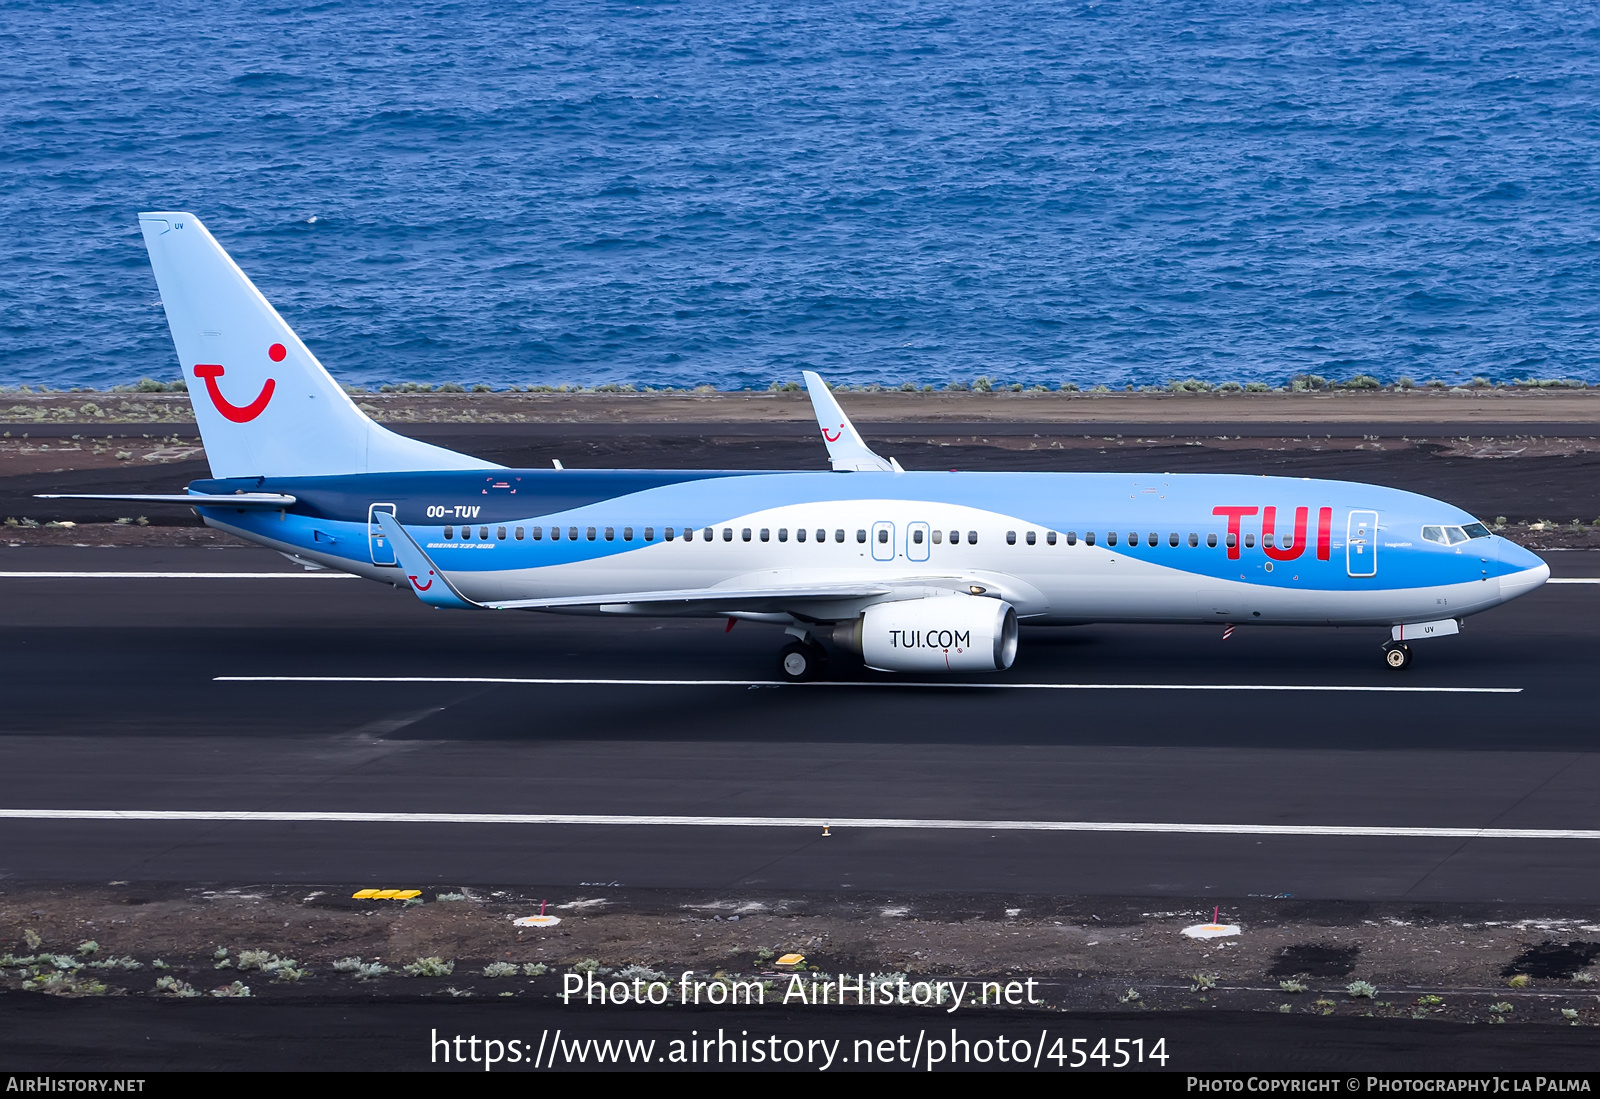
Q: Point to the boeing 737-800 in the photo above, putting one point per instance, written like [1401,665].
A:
[913,571]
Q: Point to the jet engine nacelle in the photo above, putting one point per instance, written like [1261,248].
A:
[943,633]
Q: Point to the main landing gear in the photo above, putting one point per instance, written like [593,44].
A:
[801,661]
[1397,654]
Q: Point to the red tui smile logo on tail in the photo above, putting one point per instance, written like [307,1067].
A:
[239,414]
[421,586]
[836,436]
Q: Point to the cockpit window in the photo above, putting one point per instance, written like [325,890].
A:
[1453,536]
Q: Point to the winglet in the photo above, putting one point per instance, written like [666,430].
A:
[427,581]
[845,448]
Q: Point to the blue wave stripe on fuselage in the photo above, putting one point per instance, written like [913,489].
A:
[1081,502]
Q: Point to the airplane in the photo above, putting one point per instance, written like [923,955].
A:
[923,572]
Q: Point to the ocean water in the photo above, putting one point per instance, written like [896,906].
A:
[728,191]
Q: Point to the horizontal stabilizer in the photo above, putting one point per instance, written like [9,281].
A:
[272,501]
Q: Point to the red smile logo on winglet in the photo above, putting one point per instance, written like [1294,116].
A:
[422,587]
[835,437]
[239,414]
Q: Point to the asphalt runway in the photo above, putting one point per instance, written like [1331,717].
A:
[144,693]
[1558,486]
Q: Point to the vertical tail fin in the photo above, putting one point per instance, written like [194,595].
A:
[264,404]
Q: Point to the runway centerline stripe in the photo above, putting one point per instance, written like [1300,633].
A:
[1573,580]
[902,823]
[307,575]
[826,684]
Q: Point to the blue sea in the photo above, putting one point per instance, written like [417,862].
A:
[725,192]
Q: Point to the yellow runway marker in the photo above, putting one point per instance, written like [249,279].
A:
[792,959]
[385,894]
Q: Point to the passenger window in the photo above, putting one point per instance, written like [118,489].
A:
[1011,537]
[1133,539]
[1266,540]
[572,534]
[745,534]
[938,537]
[883,537]
[1111,538]
[727,534]
[838,536]
[591,534]
[766,535]
[972,537]
[955,538]
[916,538]
[649,534]
[500,533]
[800,535]
[1032,538]
[861,536]
[1088,539]
[519,534]
[611,534]
[1249,541]
[1072,537]
[1172,539]
[555,534]
[1194,540]
[1154,539]
[1211,540]
[537,534]
[483,532]
[1233,540]
[668,532]
[450,531]
[708,535]
[627,534]
[783,534]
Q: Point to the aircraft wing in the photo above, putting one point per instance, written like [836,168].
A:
[273,501]
[431,585]
[705,600]
[846,450]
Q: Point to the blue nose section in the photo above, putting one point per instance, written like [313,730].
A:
[1520,570]
[1517,559]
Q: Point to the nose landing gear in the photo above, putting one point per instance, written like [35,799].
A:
[1397,654]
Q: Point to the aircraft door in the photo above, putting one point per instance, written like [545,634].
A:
[917,541]
[1361,544]
[377,543]
[883,547]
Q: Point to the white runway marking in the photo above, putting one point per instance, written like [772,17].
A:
[903,823]
[1573,580]
[825,683]
[308,574]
